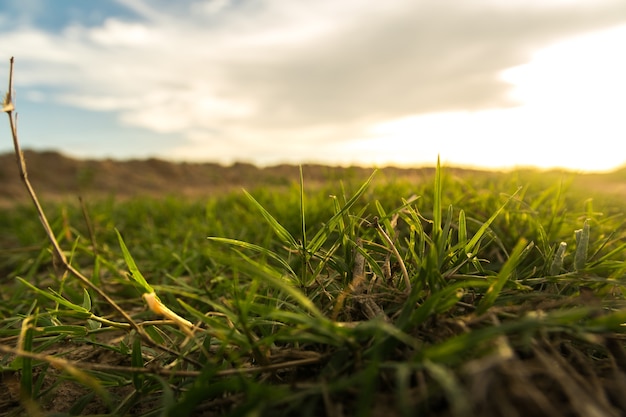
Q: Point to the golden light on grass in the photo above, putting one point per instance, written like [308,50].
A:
[156,306]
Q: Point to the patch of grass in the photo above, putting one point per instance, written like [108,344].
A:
[299,301]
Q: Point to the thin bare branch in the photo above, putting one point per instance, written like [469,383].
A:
[58,254]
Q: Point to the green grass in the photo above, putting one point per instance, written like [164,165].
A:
[352,298]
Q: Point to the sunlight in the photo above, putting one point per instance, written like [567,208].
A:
[574,72]
[571,94]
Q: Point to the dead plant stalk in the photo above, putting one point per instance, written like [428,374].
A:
[58,255]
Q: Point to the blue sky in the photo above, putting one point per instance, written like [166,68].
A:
[489,83]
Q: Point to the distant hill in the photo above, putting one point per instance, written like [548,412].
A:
[55,176]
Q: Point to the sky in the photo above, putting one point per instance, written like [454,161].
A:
[481,83]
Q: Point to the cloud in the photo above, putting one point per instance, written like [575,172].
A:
[243,71]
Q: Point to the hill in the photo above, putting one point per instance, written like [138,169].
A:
[56,176]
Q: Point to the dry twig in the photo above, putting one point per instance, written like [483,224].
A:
[58,255]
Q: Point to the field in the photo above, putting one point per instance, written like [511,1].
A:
[337,292]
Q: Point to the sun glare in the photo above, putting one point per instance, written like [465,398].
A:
[571,99]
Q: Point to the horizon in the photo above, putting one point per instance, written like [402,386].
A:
[492,85]
[430,166]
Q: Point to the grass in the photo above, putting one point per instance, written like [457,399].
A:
[494,295]
[354,300]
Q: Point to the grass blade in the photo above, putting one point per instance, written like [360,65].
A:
[256,248]
[557,262]
[132,266]
[462,229]
[483,229]
[582,247]
[302,214]
[274,278]
[136,360]
[26,344]
[52,295]
[322,235]
[437,197]
[280,231]
[507,269]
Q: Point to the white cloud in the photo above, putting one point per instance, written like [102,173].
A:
[116,33]
[278,78]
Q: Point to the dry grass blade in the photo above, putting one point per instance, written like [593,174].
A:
[392,247]
[574,385]
[60,363]
[356,287]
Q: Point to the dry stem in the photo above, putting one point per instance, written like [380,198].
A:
[8,107]
[392,247]
[61,363]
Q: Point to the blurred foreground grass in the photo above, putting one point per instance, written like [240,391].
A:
[458,295]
